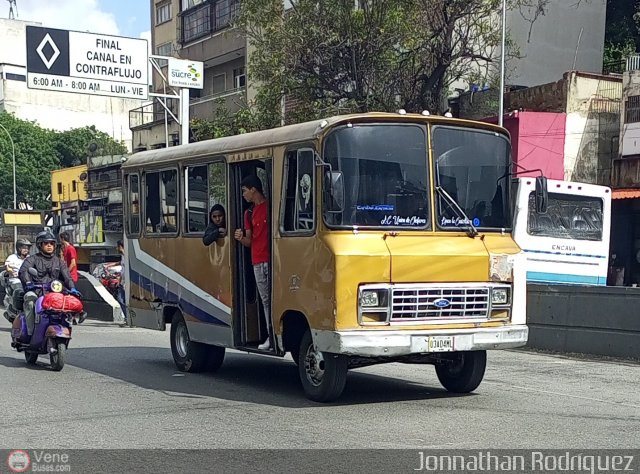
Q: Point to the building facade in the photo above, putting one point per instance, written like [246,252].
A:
[51,109]
[199,31]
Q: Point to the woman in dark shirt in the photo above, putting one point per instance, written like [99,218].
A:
[217,227]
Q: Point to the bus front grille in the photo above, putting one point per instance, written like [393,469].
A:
[410,304]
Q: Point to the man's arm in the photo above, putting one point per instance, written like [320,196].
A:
[74,256]
[23,274]
[66,275]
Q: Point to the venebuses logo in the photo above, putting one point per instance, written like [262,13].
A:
[18,460]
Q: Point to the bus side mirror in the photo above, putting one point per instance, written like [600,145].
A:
[542,195]
[334,191]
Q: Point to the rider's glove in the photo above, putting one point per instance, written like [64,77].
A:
[75,293]
[29,287]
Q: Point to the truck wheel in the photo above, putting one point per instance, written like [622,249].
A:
[463,372]
[323,375]
[188,356]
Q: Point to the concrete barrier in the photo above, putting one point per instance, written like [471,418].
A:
[584,319]
[98,302]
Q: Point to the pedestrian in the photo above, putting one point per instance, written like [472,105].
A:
[217,227]
[256,236]
[70,255]
[122,298]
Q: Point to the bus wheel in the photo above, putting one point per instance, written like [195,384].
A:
[188,356]
[323,375]
[463,371]
[216,357]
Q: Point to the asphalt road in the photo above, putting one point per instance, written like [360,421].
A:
[120,389]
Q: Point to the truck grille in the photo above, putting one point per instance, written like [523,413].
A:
[409,304]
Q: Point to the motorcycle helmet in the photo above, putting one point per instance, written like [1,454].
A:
[45,236]
[22,243]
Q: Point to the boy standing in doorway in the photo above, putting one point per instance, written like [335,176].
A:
[70,255]
[256,236]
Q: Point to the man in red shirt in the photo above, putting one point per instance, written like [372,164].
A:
[256,236]
[70,255]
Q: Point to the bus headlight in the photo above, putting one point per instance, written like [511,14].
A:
[374,298]
[501,267]
[499,296]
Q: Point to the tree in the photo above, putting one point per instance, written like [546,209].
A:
[35,156]
[383,55]
[72,145]
[622,31]
[39,151]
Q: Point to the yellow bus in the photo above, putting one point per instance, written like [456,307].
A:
[390,241]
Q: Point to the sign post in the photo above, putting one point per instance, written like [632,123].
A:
[87,63]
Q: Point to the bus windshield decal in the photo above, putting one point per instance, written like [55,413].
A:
[403,221]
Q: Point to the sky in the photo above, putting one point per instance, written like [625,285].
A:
[116,17]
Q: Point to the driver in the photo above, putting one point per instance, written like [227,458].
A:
[49,268]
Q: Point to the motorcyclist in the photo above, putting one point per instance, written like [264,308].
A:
[49,268]
[15,260]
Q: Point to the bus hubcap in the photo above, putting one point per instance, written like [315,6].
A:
[182,340]
[314,366]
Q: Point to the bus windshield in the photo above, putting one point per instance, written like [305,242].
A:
[384,167]
[472,166]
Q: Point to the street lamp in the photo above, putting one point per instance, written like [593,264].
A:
[15,200]
[502,60]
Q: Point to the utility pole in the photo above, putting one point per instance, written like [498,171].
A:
[502,60]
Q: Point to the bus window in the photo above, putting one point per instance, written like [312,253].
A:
[161,203]
[217,184]
[134,204]
[299,190]
[567,217]
[197,199]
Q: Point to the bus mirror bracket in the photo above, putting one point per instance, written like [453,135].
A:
[541,195]
[333,186]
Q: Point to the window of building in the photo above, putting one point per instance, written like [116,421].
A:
[186,4]
[239,78]
[219,83]
[164,50]
[161,207]
[226,11]
[632,109]
[59,188]
[74,186]
[196,23]
[163,13]
[15,77]
[205,186]
[299,208]
[134,204]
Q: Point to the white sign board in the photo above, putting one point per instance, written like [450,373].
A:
[185,73]
[87,63]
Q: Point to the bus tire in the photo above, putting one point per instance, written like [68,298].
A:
[188,356]
[323,374]
[464,372]
[215,358]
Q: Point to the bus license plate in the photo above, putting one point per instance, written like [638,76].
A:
[441,343]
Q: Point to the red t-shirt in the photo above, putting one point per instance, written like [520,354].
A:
[259,228]
[69,253]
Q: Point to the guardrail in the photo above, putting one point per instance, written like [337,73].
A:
[584,319]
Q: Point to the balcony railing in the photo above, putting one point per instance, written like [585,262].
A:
[633,63]
[206,18]
[151,113]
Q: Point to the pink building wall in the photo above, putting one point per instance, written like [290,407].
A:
[537,139]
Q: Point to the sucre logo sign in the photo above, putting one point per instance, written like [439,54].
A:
[186,73]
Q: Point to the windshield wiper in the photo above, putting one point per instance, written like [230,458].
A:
[471,229]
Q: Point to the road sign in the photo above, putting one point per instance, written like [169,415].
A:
[87,63]
[185,73]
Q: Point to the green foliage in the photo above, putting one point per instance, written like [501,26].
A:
[39,151]
[223,123]
[72,145]
[622,33]
[387,54]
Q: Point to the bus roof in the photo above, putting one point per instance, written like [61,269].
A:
[307,131]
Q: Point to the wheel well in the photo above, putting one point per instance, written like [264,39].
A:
[168,312]
[294,325]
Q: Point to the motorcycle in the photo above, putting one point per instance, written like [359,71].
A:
[13,295]
[55,310]
[109,276]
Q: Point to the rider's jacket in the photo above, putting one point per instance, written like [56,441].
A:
[49,268]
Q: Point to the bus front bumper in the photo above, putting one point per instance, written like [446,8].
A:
[393,343]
